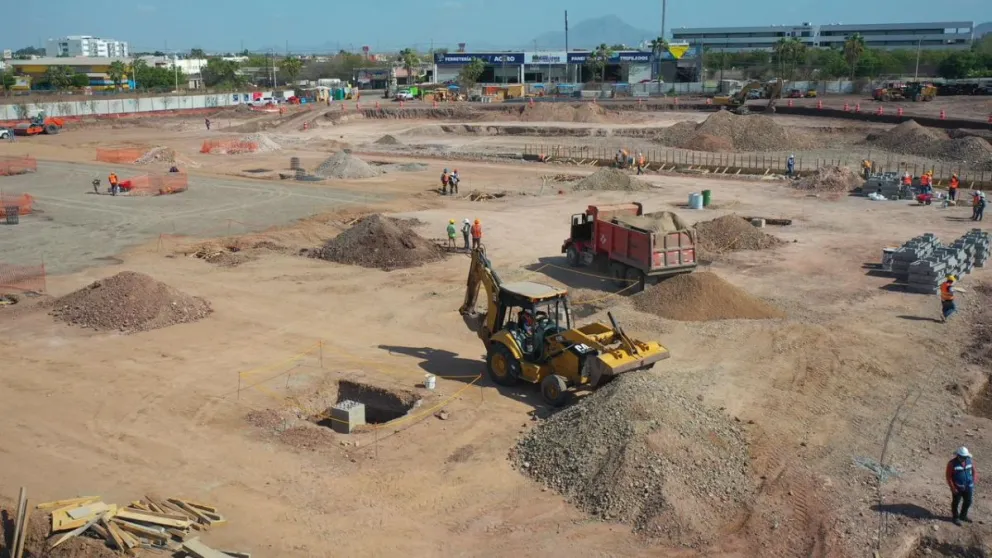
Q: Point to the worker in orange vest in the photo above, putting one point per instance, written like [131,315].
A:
[476,234]
[947,306]
[952,187]
[113,183]
[907,179]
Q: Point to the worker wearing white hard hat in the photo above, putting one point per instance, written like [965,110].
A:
[466,231]
[961,477]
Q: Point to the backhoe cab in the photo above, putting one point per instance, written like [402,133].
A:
[529,336]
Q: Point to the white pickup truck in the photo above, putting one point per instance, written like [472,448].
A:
[6,133]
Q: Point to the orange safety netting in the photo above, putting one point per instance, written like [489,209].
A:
[23,203]
[17,165]
[22,278]
[229,147]
[125,155]
[156,184]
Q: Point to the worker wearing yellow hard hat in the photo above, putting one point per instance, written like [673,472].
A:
[452,232]
[947,306]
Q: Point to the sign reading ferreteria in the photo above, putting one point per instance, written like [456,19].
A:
[675,52]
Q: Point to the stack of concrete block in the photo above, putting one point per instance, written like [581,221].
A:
[913,250]
[926,275]
[981,243]
[888,185]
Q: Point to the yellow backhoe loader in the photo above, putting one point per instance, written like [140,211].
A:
[529,336]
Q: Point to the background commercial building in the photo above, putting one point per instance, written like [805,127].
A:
[86,45]
[97,69]
[932,35]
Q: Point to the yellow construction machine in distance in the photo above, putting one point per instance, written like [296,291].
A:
[529,336]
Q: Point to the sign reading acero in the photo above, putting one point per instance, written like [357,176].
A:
[457,58]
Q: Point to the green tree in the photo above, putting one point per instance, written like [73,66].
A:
[854,49]
[59,77]
[80,80]
[291,67]
[780,52]
[7,80]
[116,73]
[798,54]
[957,65]
[138,72]
[197,53]
[222,73]
[600,58]
[658,48]
[410,60]
[471,72]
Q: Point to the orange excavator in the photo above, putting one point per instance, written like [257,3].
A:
[40,125]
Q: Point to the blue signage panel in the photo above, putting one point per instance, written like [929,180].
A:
[626,57]
[458,58]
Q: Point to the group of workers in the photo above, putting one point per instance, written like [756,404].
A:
[469,230]
[624,159]
[449,180]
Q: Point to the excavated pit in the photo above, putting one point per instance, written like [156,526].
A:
[382,405]
[981,403]
[930,547]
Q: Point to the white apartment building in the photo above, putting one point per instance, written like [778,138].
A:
[86,45]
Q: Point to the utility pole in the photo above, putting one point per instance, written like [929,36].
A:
[567,65]
[664,7]
[919,45]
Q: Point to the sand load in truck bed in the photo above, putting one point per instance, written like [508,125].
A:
[661,221]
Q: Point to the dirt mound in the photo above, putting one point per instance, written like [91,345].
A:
[387,140]
[725,131]
[830,179]
[700,297]
[129,302]
[157,155]
[344,165]
[380,242]
[611,179]
[730,233]
[264,142]
[640,452]
[561,112]
[912,139]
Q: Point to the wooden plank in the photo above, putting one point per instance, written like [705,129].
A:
[141,530]
[22,504]
[189,509]
[173,516]
[203,507]
[78,530]
[153,519]
[71,502]
[130,540]
[200,550]
[103,532]
[139,505]
[23,525]
[172,508]
[234,554]
[153,507]
[118,542]
[181,535]
[86,511]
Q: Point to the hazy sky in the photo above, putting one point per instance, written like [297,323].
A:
[393,24]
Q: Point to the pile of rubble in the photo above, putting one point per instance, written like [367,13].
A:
[829,179]
[923,262]
[608,178]
[639,451]
[725,131]
[380,242]
[157,155]
[263,141]
[162,524]
[912,139]
[731,233]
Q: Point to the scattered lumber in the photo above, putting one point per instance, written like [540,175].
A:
[770,221]
[153,523]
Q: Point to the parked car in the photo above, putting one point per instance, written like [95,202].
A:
[6,133]
[404,96]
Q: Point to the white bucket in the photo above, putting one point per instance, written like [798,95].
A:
[695,200]
[430,381]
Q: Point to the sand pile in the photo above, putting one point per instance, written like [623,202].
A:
[380,242]
[387,140]
[561,112]
[129,302]
[640,452]
[730,233]
[700,297]
[725,131]
[344,165]
[912,139]
[157,155]
[830,179]
[611,179]
[265,143]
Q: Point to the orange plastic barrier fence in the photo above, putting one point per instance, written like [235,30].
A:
[128,155]
[229,147]
[10,166]
[22,278]
[158,184]
[23,203]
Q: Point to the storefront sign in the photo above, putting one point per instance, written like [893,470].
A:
[557,57]
[627,57]
[459,58]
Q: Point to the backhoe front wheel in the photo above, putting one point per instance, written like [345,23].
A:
[504,368]
[554,389]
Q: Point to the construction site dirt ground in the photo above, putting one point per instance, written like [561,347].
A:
[859,377]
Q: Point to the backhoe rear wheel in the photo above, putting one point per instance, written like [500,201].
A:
[554,389]
[504,368]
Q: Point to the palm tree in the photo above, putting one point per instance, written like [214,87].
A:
[59,77]
[854,49]
[658,47]
[798,51]
[117,72]
[781,51]
[600,58]
[410,60]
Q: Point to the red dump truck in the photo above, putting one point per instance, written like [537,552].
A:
[635,247]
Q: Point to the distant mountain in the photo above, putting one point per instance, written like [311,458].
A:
[982,30]
[592,32]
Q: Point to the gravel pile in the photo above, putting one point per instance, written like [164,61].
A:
[912,139]
[157,155]
[640,452]
[730,233]
[344,165]
[129,302]
[611,179]
[387,140]
[380,242]
[830,179]
[725,131]
[702,297]
[265,143]
[559,112]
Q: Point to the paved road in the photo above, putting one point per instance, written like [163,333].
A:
[74,228]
